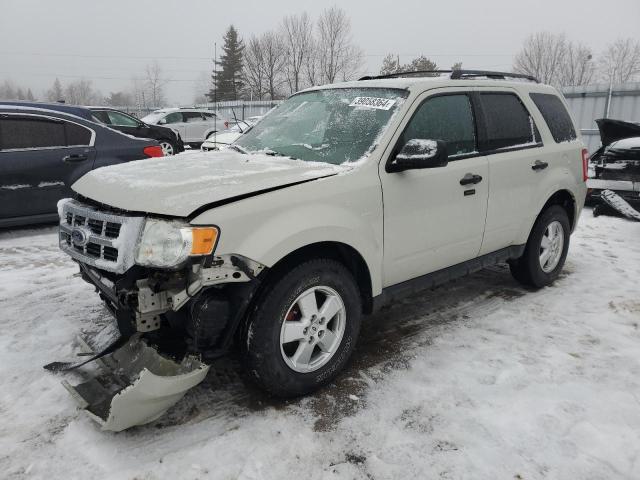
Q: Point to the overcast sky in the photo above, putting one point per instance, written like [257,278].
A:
[111,41]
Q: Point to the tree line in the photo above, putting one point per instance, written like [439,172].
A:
[299,53]
[559,61]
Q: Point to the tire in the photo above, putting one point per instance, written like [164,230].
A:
[532,269]
[278,365]
[168,148]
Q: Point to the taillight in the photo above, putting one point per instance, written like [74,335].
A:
[226,125]
[585,164]
[153,151]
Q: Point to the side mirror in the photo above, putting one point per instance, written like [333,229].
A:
[420,153]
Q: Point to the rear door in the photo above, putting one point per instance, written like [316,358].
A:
[431,219]
[509,138]
[196,126]
[40,157]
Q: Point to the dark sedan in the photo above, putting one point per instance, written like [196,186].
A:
[43,152]
[168,139]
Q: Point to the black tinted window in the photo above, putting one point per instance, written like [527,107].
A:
[77,135]
[448,118]
[507,121]
[30,132]
[555,114]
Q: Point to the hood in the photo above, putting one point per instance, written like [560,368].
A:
[181,184]
[612,130]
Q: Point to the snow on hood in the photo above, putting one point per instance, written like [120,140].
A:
[180,184]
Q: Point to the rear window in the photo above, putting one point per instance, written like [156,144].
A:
[508,123]
[555,114]
[33,132]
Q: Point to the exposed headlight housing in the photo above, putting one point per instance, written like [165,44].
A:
[169,244]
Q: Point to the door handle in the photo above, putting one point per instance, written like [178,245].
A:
[538,165]
[470,179]
[75,158]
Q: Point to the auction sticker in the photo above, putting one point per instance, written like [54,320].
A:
[372,102]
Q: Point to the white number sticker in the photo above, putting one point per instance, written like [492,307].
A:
[372,102]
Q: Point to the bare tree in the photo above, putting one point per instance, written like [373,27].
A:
[297,38]
[577,67]
[390,64]
[154,84]
[254,71]
[312,73]
[81,92]
[621,61]
[274,58]
[541,56]
[55,93]
[339,58]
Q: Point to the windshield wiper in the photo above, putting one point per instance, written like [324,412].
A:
[238,148]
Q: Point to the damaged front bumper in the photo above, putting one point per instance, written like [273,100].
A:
[137,386]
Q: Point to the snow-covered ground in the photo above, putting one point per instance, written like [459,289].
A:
[477,379]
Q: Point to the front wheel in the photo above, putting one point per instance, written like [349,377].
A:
[546,249]
[167,148]
[303,329]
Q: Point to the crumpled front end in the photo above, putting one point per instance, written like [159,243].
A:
[137,385]
[172,321]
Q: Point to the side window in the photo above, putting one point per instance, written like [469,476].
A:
[101,117]
[508,122]
[77,135]
[34,132]
[191,117]
[31,132]
[121,120]
[555,114]
[175,117]
[448,118]
[209,116]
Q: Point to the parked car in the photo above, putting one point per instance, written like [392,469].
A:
[343,199]
[615,165]
[168,139]
[193,124]
[43,152]
[235,130]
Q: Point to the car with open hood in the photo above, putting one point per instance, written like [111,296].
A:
[343,199]
[615,166]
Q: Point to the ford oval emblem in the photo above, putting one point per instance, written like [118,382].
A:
[79,237]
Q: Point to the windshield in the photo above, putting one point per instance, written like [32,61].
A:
[334,126]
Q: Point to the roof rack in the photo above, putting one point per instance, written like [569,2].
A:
[455,75]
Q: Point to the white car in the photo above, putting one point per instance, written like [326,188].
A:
[221,140]
[343,199]
[193,124]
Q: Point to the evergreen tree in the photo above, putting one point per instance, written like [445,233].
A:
[55,93]
[228,75]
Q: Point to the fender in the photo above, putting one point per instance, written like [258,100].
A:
[266,228]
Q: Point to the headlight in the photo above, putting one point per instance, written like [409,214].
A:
[168,244]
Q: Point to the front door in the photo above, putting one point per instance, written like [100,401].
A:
[431,219]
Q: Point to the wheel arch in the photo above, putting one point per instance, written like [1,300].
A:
[338,251]
[566,200]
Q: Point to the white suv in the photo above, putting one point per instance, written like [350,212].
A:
[345,198]
[193,124]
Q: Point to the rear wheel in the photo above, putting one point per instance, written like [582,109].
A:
[546,249]
[303,329]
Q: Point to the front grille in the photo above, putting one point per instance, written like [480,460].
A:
[95,237]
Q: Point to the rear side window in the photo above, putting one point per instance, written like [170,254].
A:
[30,132]
[508,123]
[555,114]
[77,135]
